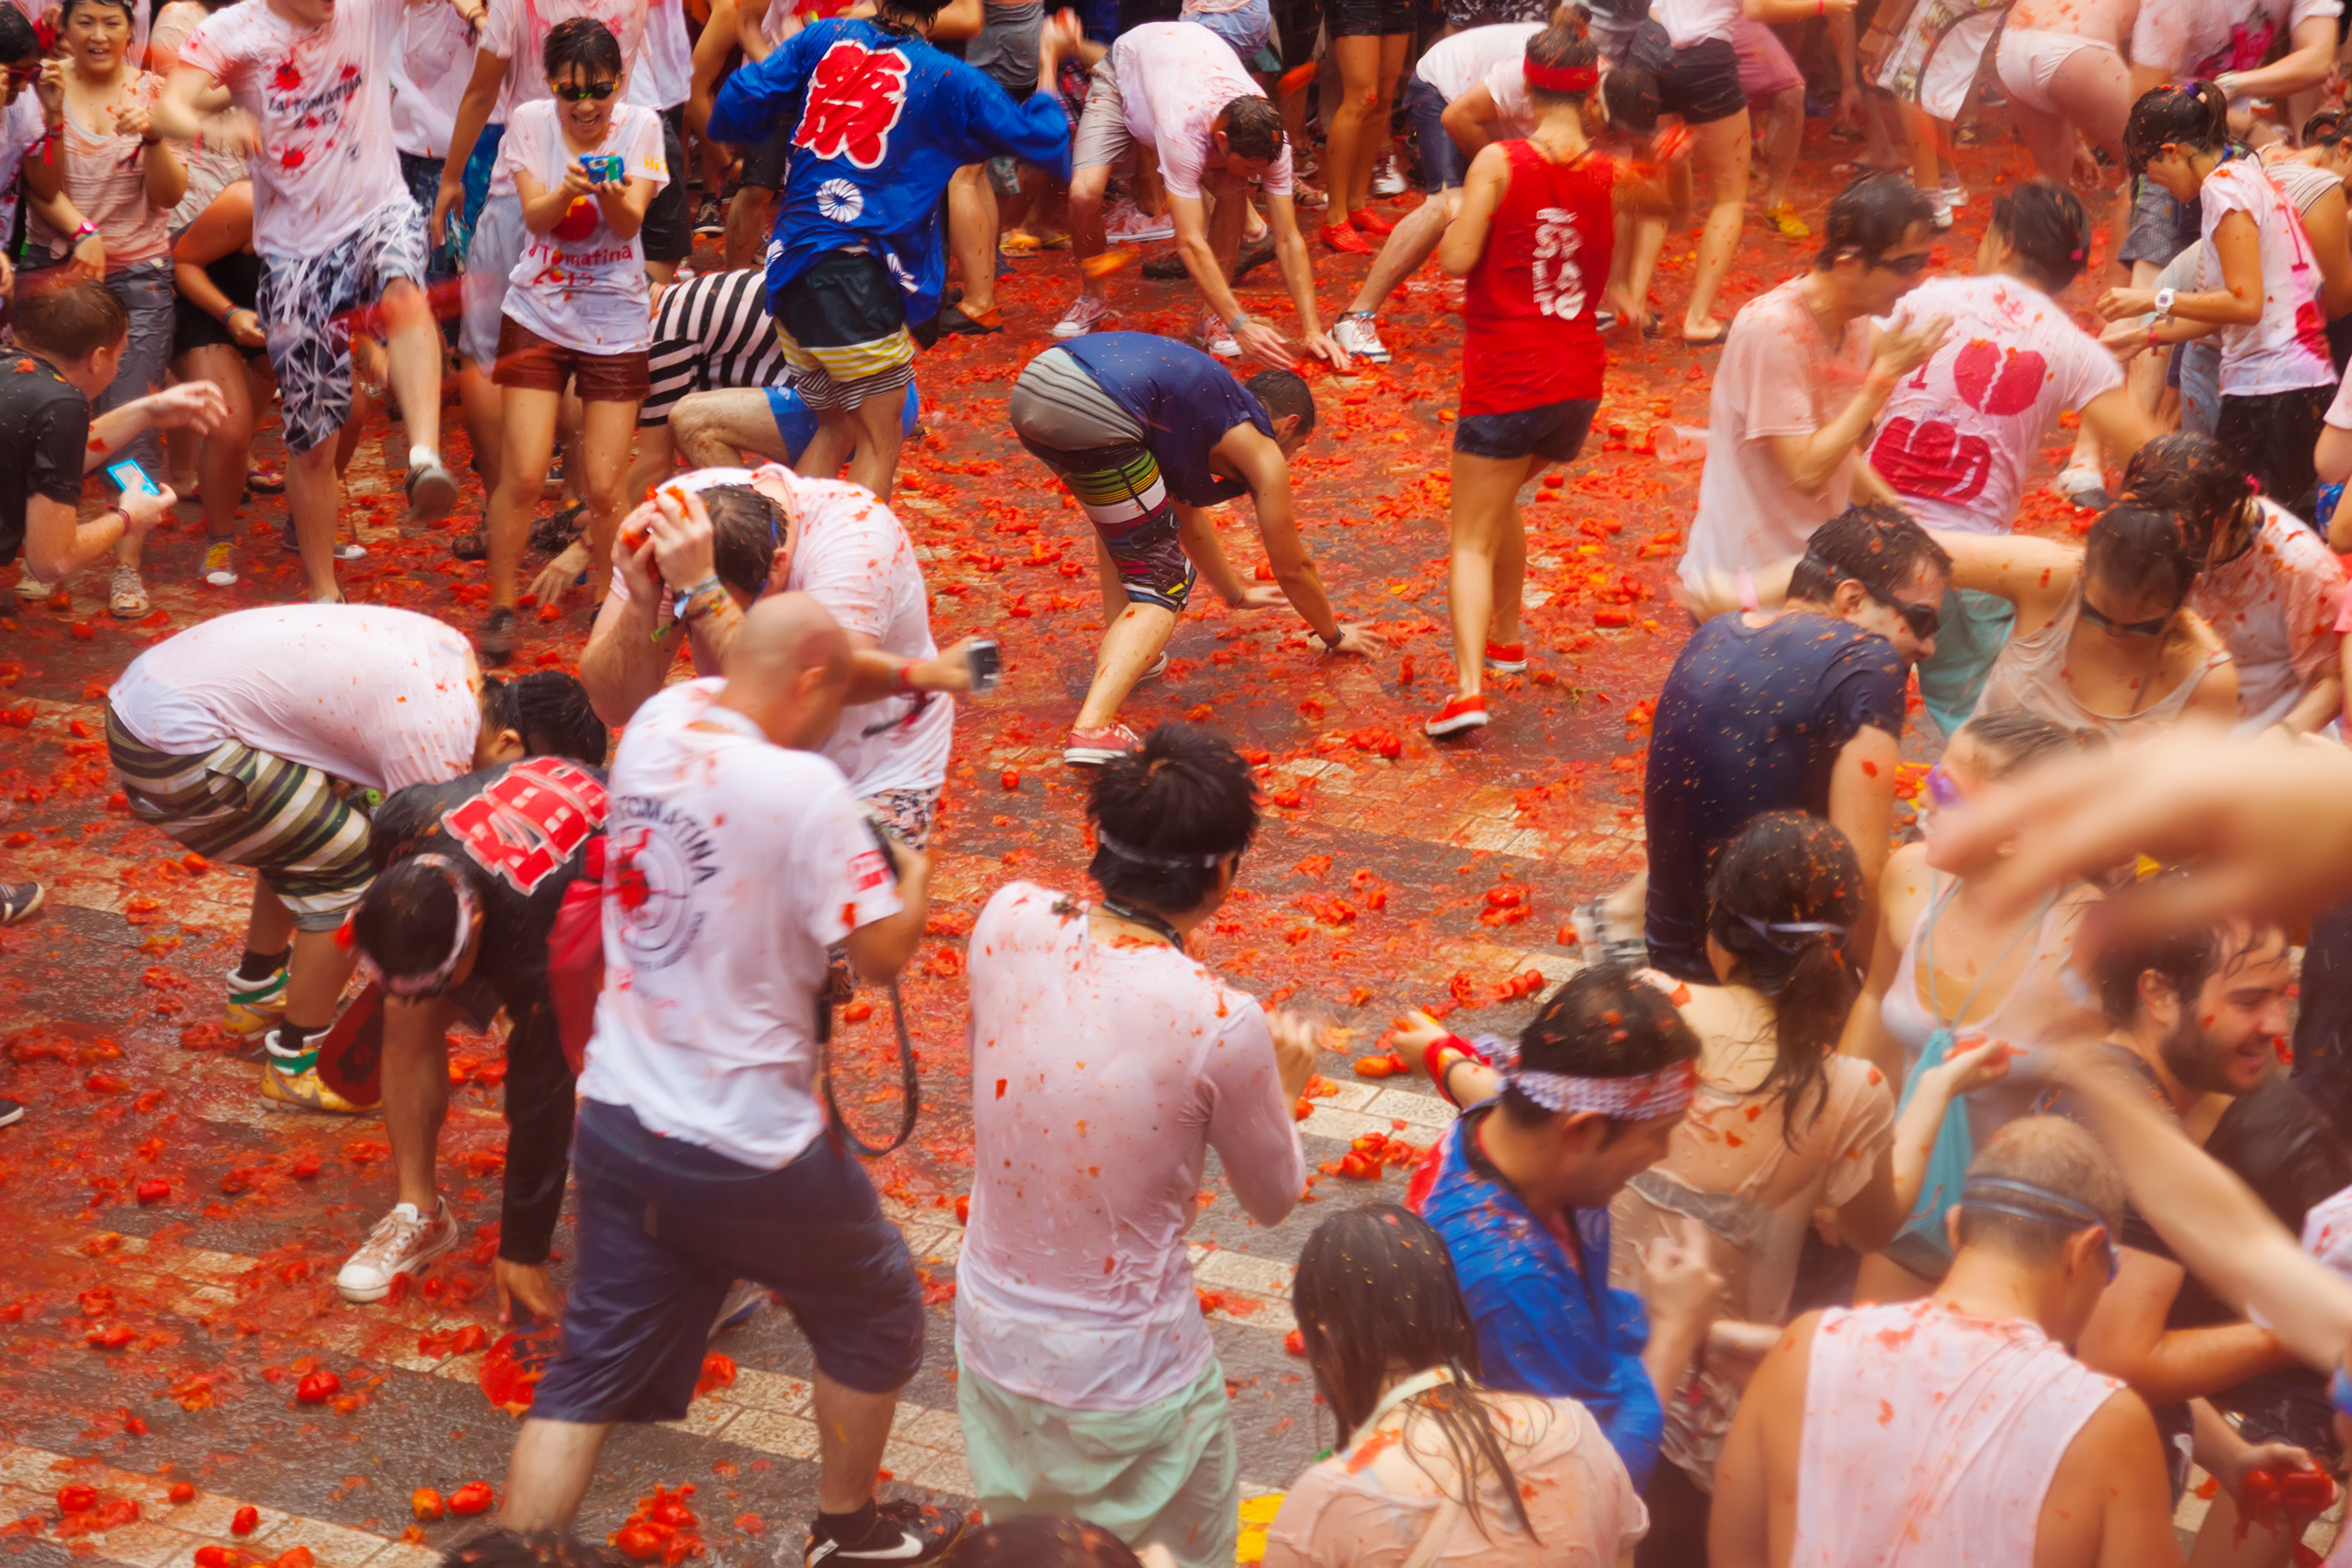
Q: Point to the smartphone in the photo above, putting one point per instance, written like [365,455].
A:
[986,666]
[128,476]
[604,167]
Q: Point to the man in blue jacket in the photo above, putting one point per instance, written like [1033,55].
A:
[880,121]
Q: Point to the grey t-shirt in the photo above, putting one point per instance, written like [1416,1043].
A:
[1006,46]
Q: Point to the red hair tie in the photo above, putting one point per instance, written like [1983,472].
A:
[1568,80]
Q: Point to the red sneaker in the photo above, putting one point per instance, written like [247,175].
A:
[1092,748]
[1340,237]
[1369,223]
[1506,658]
[1457,714]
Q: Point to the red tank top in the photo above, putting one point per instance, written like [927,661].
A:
[1527,310]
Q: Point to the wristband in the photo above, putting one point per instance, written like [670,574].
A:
[1241,319]
[1433,1060]
[901,683]
[2152,343]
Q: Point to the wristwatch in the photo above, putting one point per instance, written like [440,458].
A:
[2164,297]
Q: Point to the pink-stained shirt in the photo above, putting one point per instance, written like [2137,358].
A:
[1778,376]
[1174,79]
[2286,349]
[2275,605]
[1103,1074]
[1931,1438]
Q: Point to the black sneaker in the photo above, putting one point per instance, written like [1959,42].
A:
[18,900]
[10,1113]
[955,319]
[708,220]
[902,1532]
[496,643]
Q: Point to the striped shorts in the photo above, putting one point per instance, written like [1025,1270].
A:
[842,327]
[711,332]
[241,807]
[1070,424]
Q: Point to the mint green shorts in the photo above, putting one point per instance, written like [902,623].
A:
[1168,1473]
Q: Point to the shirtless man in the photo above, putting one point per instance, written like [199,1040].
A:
[2051,1464]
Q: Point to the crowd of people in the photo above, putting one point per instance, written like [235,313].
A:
[1884,1187]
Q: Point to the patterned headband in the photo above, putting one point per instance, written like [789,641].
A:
[435,982]
[1665,1092]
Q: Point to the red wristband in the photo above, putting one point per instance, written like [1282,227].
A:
[1436,1067]
[903,683]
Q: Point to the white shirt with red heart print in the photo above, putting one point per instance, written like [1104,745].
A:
[1956,438]
[580,284]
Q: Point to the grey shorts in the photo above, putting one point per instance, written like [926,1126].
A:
[1055,404]
[1101,135]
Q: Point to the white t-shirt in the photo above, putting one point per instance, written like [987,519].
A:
[1777,376]
[429,78]
[852,555]
[1957,437]
[2286,348]
[322,99]
[2275,605]
[1101,1076]
[2204,38]
[1506,83]
[580,284]
[731,864]
[1174,79]
[20,127]
[1689,21]
[515,31]
[1456,65]
[664,76]
[381,698]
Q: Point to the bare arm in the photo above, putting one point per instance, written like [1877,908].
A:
[2303,67]
[1862,796]
[2334,457]
[473,112]
[2117,422]
[879,950]
[2237,303]
[2035,574]
[1482,192]
[711,51]
[2126,1338]
[1753,1522]
[1473,121]
[1872,1216]
[2109,1502]
[2331,236]
[1259,462]
[1865,1035]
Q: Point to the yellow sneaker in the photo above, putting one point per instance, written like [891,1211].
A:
[291,1083]
[254,1006]
[1784,218]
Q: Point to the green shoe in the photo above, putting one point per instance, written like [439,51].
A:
[254,1006]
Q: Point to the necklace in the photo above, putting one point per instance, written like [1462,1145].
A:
[1144,919]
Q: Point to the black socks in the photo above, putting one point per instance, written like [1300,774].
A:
[259,967]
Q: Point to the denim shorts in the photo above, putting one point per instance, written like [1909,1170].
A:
[1552,431]
[1443,165]
[666,1226]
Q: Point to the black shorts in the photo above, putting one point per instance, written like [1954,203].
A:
[764,165]
[2272,433]
[1701,83]
[1365,18]
[842,326]
[668,229]
[1554,432]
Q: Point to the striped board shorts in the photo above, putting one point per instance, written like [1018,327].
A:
[842,327]
[711,332]
[1070,424]
[237,806]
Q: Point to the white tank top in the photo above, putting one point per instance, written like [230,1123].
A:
[2030,672]
[1931,1438]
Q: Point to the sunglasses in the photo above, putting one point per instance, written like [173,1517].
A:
[1925,619]
[598,91]
[2115,628]
[1943,791]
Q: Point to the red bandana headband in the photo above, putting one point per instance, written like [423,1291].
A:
[1567,80]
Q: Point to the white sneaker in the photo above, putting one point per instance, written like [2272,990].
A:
[1086,313]
[402,1242]
[1128,225]
[1387,179]
[1953,191]
[350,550]
[220,562]
[1216,338]
[1940,203]
[1357,338]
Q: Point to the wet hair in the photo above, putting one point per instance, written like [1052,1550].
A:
[1283,393]
[1186,795]
[920,13]
[1629,89]
[549,709]
[18,39]
[1877,544]
[1040,1540]
[582,44]
[2280,1144]
[2016,736]
[65,15]
[2141,550]
[1254,128]
[2196,116]
[2047,228]
[68,319]
[2326,129]
[531,1549]
[1606,1022]
[2195,479]
[2057,1155]
[2185,956]
[1791,868]
[406,921]
[1375,1293]
[746,528]
[1563,46]
[1869,217]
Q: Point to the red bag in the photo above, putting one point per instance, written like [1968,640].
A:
[576,957]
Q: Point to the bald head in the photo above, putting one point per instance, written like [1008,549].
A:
[788,669]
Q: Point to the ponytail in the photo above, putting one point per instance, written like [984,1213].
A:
[2197,115]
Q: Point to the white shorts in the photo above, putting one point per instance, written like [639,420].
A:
[1934,66]
[2029,57]
[497,246]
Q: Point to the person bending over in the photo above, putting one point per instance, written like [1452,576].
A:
[1147,433]
[469,875]
[1957,1429]
[1089,1384]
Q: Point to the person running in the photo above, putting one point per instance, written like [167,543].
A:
[468,876]
[1955,440]
[97,204]
[1427,1451]
[585,166]
[735,857]
[335,229]
[2276,376]
[1537,222]
[1850,1446]
[1947,971]
[1786,422]
[1145,433]
[1088,1383]
[856,261]
[1175,89]
[248,738]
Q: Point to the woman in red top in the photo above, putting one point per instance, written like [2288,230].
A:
[1534,237]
